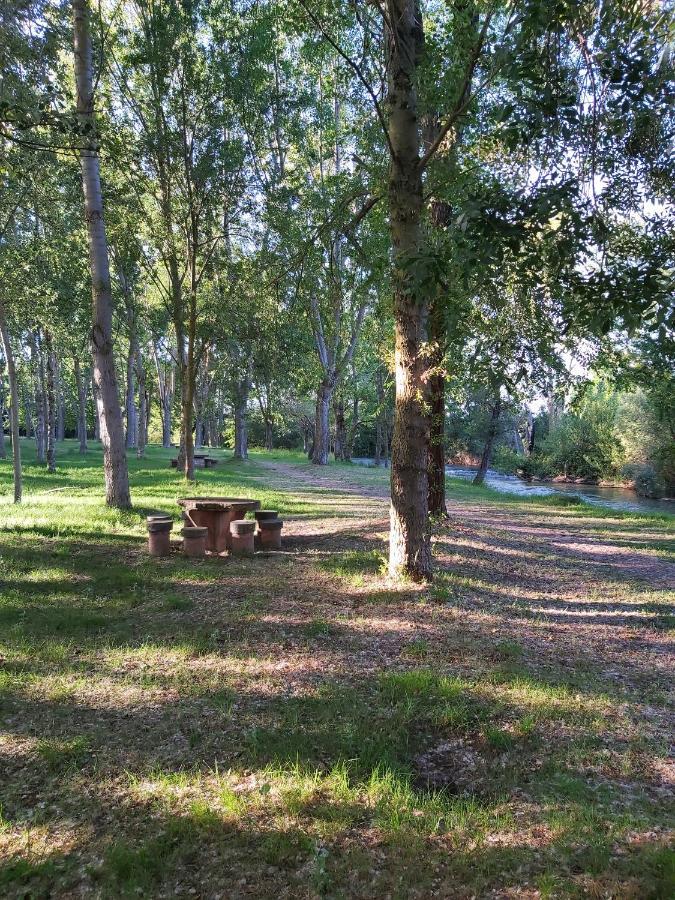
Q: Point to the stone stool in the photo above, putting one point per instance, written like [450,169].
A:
[243,537]
[159,535]
[194,540]
[269,535]
[264,515]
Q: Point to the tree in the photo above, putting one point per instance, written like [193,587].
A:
[109,411]
[13,402]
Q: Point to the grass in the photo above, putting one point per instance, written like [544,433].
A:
[296,724]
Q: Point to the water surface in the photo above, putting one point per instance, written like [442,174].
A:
[612,497]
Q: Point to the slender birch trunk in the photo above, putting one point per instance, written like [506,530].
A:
[51,402]
[240,419]
[81,406]
[142,417]
[60,401]
[130,397]
[38,377]
[3,450]
[94,400]
[409,541]
[28,413]
[166,421]
[13,403]
[110,413]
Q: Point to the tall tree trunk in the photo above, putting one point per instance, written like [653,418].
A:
[189,386]
[199,431]
[94,400]
[269,435]
[130,396]
[166,421]
[409,541]
[3,451]
[51,402]
[38,372]
[493,429]
[81,406]
[13,403]
[60,409]
[165,391]
[110,413]
[340,441]
[321,447]
[28,413]
[240,419]
[352,430]
[532,438]
[142,418]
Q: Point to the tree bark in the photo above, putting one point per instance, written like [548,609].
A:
[493,429]
[352,431]
[51,403]
[321,447]
[38,373]
[94,399]
[410,540]
[109,411]
[130,396]
[142,418]
[531,443]
[13,403]
[28,413]
[166,421]
[81,406]
[3,450]
[60,401]
[240,419]
[165,388]
[340,442]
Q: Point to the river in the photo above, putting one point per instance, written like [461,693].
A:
[612,497]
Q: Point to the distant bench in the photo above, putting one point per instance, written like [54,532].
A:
[202,461]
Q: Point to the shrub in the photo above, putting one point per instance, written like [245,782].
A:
[646,480]
[507,461]
[538,465]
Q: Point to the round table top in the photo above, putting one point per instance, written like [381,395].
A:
[218,503]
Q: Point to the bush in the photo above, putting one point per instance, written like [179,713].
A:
[646,480]
[507,461]
[538,465]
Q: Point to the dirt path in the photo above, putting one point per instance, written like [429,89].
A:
[577,589]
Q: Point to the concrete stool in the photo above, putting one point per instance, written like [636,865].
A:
[264,515]
[194,540]
[243,537]
[270,534]
[159,535]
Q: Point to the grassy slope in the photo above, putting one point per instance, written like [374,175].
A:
[272,727]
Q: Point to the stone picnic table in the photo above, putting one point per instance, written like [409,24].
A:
[216,513]
[202,461]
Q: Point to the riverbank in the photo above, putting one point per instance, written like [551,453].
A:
[296,726]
